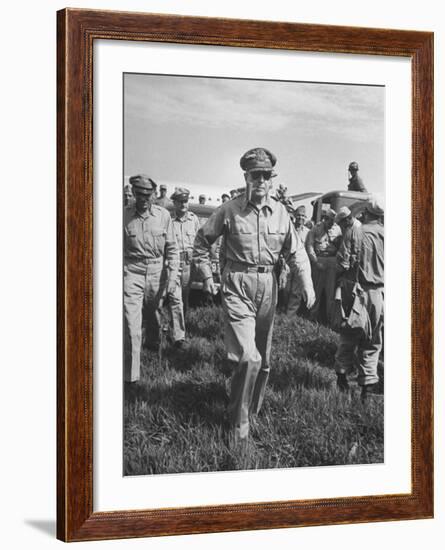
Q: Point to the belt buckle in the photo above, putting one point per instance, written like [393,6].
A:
[261,269]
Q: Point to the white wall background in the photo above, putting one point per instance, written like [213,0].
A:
[28,281]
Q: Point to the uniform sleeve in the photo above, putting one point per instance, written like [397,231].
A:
[310,245]
[205,237]
[344,253]
[171,251]
[295,255]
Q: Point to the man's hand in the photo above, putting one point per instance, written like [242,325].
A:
[171,286]
[209,286]
[309,297]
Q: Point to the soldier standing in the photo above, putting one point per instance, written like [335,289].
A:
[256,230]
[355,181]
[185,224]
[348,252]
[149,243]
[293,290]
[370,287]
[163,200]
[322,244]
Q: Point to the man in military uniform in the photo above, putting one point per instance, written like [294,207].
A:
[185,224]
[348,252]
[293,291]
[163,200]
[128,195]
[224,198]
[202,199]
[366,344]
[322,244]
[149,243]
[256,230]
[355,181]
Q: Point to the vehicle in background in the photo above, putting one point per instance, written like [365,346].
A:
[356,201]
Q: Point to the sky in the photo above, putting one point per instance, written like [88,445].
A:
[192,131]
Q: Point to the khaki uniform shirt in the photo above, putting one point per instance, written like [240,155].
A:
[372,256]
[348,253]
[302,232]
[149,236]
[185,231]
[323,243]
[252,237]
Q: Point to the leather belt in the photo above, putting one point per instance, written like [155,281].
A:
[246,268]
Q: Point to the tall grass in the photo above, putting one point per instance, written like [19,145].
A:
[175,418]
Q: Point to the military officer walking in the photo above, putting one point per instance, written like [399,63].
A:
[185,224]
[256,230]
[150,263]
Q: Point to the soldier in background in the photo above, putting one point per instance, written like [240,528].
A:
[202,199]
[355,182]
[256,229]
[322,244]
[149,243]
[128,195]
[185,224]
[163,200]
[348,252]
[293,290]
[224,198]
[367,343]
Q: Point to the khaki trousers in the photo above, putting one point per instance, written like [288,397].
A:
[178,303]
[367,352]
[324,287]
[249,301]
[143,288]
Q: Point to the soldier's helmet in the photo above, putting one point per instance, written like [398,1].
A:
[353,166]
[258,158]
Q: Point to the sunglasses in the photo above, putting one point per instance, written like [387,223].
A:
[256,175]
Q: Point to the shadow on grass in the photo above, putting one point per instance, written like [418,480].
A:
[190,401]
[300,374]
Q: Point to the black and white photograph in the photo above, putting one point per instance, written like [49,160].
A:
[253,274]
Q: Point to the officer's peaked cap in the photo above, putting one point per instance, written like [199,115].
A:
[180,194]
[141,181]
[258,159]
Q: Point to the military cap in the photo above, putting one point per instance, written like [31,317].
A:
[376,205]
[343,213]
[180,194]
[202,196]
[141,181]
[353,165]
[225,195]
[163,186]
[328,212]
[300,210]
[258,159]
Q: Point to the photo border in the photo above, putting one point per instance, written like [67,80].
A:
[76,32]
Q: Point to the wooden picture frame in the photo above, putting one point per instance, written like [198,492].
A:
[77,31]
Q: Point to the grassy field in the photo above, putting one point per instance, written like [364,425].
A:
[175,418]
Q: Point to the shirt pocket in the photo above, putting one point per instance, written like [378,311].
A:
[275,236]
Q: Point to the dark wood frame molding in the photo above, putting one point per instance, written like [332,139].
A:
[76,32]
